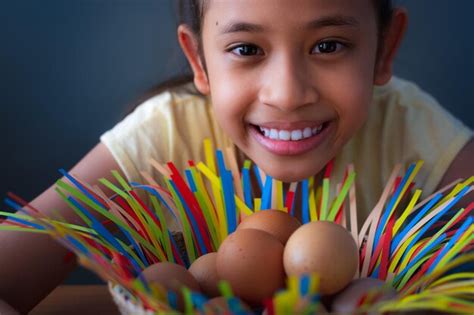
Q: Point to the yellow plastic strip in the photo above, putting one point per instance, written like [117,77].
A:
[215,182]
[457,189]
[465,239]
[214,179]
[452,277]
[399,253]
[313,213]
[409,255]
[279,195]
[407,211]
[201,188]
[257,203]
[407,184]
[341,196]
[187,235]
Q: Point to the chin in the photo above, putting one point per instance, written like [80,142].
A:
[287,173]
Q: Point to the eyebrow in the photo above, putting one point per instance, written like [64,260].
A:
[325,21]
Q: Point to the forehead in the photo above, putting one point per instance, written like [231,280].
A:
[281,15]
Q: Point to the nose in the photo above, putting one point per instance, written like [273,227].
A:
[287,84]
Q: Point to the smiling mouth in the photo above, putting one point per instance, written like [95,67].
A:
[290,135]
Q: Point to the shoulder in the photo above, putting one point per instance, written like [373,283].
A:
[403,111]
[406,101]
[170,126]
[405,124]
[417,127]
[171,102]
[163,111]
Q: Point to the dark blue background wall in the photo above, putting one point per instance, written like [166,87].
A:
[70,68]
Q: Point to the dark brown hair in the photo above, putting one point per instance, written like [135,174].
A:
[191,13]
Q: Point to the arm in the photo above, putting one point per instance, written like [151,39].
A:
[461,167]
[32,265]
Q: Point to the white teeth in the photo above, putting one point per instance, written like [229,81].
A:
[293,135]
[265,131]
[284,135]
[296,135]
[274,134]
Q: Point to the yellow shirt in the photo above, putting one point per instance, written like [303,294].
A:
[404,125]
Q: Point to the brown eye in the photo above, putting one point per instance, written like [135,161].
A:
[246,50]
[327,47]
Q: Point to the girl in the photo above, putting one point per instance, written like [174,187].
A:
[293,85]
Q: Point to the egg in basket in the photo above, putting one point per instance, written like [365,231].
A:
[273,248]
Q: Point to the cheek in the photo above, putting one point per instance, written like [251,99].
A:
[229,103]
[351,90]
[232,96]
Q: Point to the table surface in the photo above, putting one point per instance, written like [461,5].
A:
[77,299]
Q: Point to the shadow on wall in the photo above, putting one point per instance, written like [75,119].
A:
[70,69]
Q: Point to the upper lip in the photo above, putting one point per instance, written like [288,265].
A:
[285,125]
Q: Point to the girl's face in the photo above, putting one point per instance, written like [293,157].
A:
[290,81]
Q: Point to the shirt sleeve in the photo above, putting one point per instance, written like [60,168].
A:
[169,127]
[405,125]
[135,139]
[419,128]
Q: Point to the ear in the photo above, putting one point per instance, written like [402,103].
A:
[190,46]
[391,43]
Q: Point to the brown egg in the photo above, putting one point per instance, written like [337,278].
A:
[325,248]
[347,300]
[172,277]
[220,305]
[278,223]
[251,261]
[205,272]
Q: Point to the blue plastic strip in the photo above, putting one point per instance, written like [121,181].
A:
[81,188]
[229,201]
[451,242]
[256,170]
[385,217]
[19,208]
[267,194]
[78,245]
[397,239]
[199,301]
[247,187]
[137,248]
[102,231]
[172,299]
[420,255]
[13,204]
[228,187]
[157,195]
[427,226]
[439,215]
[305,201]
[189,177]
[375,273]
[193,221]
[304,285]
[27,223]
[220,162]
